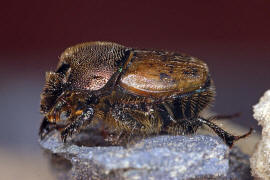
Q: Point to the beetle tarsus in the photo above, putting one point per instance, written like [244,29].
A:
[45,128]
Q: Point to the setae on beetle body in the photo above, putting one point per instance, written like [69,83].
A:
[127,91]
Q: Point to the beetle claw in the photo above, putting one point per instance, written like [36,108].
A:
[45,128]
[63,136]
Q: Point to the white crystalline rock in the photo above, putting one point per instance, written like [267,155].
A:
[260,160]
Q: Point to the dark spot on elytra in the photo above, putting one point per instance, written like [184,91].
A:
[163,76]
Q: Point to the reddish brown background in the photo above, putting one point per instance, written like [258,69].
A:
[231,36]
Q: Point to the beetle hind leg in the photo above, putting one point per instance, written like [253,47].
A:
[228,138]
[183,127]
[222,117]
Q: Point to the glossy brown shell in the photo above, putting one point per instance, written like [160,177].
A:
[157,74]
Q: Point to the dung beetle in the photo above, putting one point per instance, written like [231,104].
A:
[127,90]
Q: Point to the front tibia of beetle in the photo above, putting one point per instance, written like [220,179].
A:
[72,112]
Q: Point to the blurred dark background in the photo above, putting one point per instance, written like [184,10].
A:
[231,36]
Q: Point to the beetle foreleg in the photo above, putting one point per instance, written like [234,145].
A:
[78,123]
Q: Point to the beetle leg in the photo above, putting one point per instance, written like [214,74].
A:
[183,127]
[218,117]
[61,105]
[45,128]
[169,110]
[228,138]
[172,125]
[70,129]
[67,105]
[49,122]
[77,123]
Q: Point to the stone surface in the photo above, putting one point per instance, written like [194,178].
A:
[260,160]
[239,165]
[161,157]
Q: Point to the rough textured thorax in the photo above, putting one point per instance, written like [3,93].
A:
[93,64]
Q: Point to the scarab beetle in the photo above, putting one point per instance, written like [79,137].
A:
[127,90]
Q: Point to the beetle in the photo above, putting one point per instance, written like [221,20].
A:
[128,91]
